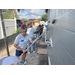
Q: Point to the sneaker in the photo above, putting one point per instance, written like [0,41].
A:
[24,63]
[21,62]
[33,51]
[28,52]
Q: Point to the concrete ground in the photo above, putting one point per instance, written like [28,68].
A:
[37,59]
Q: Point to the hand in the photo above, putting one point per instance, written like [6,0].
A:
[37,38]
[24,51]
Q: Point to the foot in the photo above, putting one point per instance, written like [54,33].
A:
[28,52]
[33,51]
[22,63]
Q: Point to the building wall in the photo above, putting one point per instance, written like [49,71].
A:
[10,40]
[63,36]
[1,30]
[0,33]
[35,21]
[9,27]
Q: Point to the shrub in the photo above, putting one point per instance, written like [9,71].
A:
[18,30]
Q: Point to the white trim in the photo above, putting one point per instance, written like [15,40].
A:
[49,60]
[1,29]
[15,23]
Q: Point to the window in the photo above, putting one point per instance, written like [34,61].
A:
[53,21]
[19,22]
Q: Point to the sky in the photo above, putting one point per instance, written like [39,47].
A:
[31,14]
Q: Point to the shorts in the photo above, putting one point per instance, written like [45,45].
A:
[18,53]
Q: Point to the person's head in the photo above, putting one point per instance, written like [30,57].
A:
[23,29]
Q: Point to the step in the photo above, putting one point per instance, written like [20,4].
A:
[42,48]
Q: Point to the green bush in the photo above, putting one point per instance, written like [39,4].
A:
[18,30]
[13,32]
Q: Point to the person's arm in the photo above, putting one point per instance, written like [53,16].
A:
[15,45]
[34,40]
[37,31]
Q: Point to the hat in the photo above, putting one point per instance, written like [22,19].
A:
[41,23]
[11,60]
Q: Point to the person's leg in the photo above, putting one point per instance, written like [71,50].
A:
[33,44]
[38,35]
[23,57]
[18,53]
[29,43]
[40,32]
[33,47]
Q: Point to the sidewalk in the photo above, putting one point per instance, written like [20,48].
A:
[4,53]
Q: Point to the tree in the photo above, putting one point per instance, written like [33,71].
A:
[9,14]
[44,17]
[39,19]
[25,19]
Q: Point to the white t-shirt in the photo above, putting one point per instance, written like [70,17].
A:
[22,41]
[31,31]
